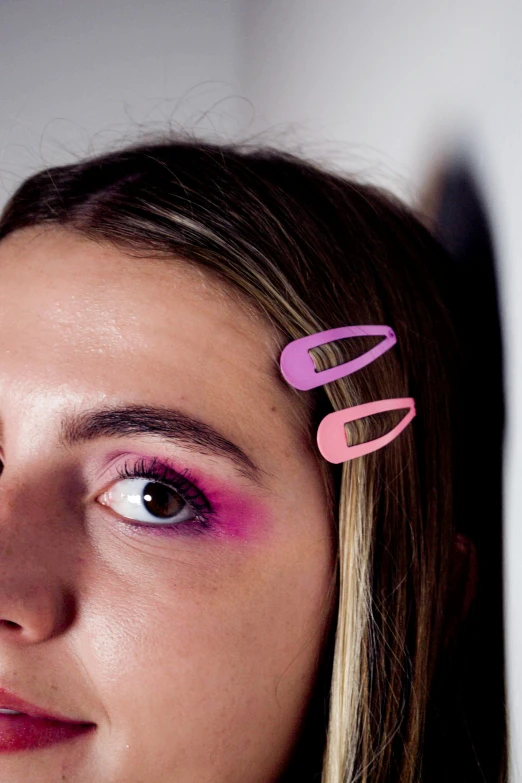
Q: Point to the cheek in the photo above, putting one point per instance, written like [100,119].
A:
[208,648]
[200,625]
[233,594]
[236,663]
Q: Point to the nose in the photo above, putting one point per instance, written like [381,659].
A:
[32,610]
[35,602]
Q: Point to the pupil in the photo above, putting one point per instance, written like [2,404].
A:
[161,501]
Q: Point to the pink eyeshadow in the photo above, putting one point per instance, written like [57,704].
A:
[236,515]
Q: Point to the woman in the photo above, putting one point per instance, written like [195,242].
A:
[189,585]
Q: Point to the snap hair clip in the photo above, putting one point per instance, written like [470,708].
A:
[331,434]
[298,368]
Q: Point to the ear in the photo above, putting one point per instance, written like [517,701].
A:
[462,586]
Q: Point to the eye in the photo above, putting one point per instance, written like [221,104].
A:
[143,500]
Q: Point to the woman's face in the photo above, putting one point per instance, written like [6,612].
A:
[166,554]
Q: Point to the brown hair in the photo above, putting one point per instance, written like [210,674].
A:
[314,250]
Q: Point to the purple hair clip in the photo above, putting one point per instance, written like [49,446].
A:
[298,369]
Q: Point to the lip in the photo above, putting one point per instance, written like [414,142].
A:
[35,728]
[10,701]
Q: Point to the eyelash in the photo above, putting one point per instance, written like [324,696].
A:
[155,470]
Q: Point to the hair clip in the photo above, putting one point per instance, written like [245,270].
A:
[331,434]
[298,367]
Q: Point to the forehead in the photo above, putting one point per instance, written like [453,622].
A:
[62,282]
[95,286]
[83,320]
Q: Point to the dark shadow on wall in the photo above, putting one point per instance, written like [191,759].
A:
[460,222]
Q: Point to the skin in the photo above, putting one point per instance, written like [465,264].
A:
[194,653]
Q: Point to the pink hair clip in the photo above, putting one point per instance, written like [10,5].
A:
[297,367]
[331,434]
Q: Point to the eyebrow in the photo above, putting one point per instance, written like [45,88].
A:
[167,423]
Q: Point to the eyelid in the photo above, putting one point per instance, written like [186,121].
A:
[110,470]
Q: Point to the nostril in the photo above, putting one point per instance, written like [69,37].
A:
[9,624]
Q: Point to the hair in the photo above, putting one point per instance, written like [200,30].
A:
[313,250]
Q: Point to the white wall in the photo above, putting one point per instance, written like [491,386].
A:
[387,89]
[77,75]
[380,84]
